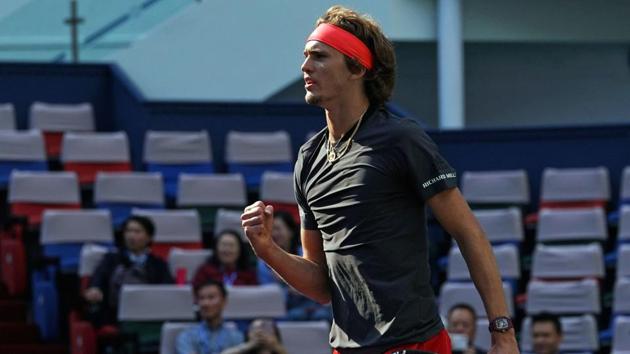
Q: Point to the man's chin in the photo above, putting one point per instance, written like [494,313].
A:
[312,99]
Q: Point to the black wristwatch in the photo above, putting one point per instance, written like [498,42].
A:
[501,324]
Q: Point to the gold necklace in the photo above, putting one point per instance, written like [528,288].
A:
[331,151]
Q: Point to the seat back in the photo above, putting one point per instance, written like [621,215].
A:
[7,117]
[276,189]
[501,225]
[173,228]
[168,336]
[189,260]
[623,234]
[453,293]
[219,190]
[563,297]
[575,185]
[621,304]
[507,257]
[570,261]
[88,153]
[579,333]
[156,302]
[577,224]
[624,192]
[54,119]
[249,302]
[509,187]
[623,261]
[621,335]
[308,337]
[228,220]
[21,150]
[13,272]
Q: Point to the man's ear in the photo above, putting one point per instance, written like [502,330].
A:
[359,73]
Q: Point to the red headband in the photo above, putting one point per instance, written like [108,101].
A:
[344,41]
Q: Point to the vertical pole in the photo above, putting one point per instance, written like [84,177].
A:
[73,21]
[450,64]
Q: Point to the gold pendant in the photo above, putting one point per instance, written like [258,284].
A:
[332,156]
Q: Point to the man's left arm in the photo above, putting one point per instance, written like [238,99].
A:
[455,216]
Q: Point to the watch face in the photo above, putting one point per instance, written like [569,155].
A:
[502,323]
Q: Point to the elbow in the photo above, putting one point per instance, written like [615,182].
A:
[323,299]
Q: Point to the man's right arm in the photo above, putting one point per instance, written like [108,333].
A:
[308,274]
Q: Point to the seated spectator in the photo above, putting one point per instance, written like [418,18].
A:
[263,337]
[133,264]
[228,263]
[299,307]
[546,333]
[462,326]
[211,336]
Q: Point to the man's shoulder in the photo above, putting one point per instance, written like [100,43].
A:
[312,143]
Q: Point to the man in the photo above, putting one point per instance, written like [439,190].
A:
[211,336]
[362,185]
[546,334]
[462,321]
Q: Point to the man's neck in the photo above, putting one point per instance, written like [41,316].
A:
[344,115]
[214,323]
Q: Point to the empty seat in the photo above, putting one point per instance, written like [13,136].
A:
[54,119]
[621,335]
[120,192]
[7,117]
[563,297]
[501,225]
[577,224]
[188,260]
[208,193]
[173,228]
[624,224]
[89,153]
[575,187]
[249,302]
[169,333]
[571,261]
[621,304]
[507,259]
[623,261]
[21,150]
[228,220]
[509,187]
[64,232]
[13,273]
[453,293]
[579,333]
[309,337]
[172,153]
[254,153]
[624,196]
[153,302]
[276,189]
[30,193]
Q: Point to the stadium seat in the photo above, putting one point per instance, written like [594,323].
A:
[30,193]
[276,189]
[7,116]
[172,153]
[453,293]
[45,304]
[570,261]
[624,197]
[89,153]
[249,302]
[576,224]
[21,150]
[208,193]
[575,187]
[188,260]
[563,297]
[64,232]
[144,308]
[120,192]
[173,228]
[623,235]
[501,225]
[623,261]
[483,338]
[89,258]
[251,154]
[228,220]
[621,335]
[307,337]
[494,188]
[55,119]
[621,304]
[579,334]
[169,333]
[13,272]
[507,259]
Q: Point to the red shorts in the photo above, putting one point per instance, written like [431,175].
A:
[438,344]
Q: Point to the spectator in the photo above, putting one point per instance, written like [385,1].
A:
[263,337]
[462,323]
[546,333]
[211,336]
[133,264]
[299,307]
[228,263]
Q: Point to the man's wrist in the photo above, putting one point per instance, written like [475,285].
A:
[507,336]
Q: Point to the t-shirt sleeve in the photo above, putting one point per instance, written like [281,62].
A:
[307,218]
[427,170]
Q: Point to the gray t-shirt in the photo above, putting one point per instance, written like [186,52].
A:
[370,209]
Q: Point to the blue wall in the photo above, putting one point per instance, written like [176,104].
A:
[120,106]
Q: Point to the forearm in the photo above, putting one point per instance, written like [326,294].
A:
[308,277]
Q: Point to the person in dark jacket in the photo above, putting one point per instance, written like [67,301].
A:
[132,264]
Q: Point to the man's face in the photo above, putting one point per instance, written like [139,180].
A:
[211,302]
[545,338]
[136,237]
[326,74]
[462,321]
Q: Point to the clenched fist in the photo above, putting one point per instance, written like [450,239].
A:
[257,221]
